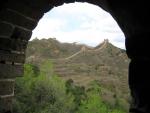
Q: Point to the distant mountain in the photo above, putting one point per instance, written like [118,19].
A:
[49,48]
[105,63]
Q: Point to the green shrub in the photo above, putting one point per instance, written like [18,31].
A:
[41,94]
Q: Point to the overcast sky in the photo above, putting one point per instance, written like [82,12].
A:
[79,22]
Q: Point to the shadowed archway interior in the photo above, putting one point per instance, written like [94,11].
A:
[19,18]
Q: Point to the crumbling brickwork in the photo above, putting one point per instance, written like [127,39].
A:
[19,17]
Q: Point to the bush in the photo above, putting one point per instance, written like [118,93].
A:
[41,94]
[39,91]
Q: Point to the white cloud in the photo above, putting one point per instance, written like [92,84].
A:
[83,23]
[47,26]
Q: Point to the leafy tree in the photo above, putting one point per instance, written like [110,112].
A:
[41,94]
[93,103]
[40,91]
[78,92]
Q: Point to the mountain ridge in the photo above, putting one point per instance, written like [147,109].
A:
[51,48]
[82,64]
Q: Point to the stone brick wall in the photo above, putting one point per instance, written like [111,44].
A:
[17,20]
[19,17]
[16,25]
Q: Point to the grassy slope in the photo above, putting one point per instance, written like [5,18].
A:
[108,66]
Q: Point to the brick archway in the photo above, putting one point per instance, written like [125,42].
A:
[19,17]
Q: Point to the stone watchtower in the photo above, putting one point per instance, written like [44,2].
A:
[106,40]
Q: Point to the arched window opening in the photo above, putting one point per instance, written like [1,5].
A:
[76,63]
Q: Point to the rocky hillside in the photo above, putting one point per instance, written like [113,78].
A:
[106,64]
[49,48]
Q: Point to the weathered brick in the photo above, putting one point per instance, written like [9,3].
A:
[21,33]
[17,19]
[10,71]
[34,9]
[3,3]
[6,87]
[5,43]
[40,5]
[6,29]
[18,45]
[25,9]
[70,1]
[13,44]
[5,104]
[57,2]
[12,57]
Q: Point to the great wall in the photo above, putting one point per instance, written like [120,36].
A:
[68,68]
[86,49]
